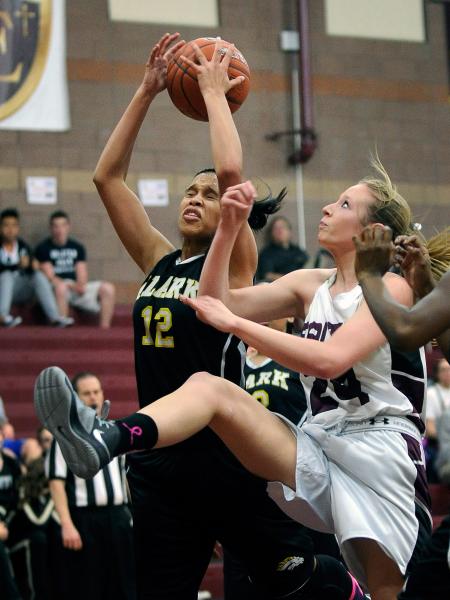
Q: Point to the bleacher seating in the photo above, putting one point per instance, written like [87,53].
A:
[27,349]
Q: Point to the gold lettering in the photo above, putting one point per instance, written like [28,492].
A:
[175,288]
[148,291]
[191,289]
[5,17]
[161,292]
[13,77]
[264,378]
[279,379]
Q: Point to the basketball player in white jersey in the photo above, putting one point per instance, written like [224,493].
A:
[355,468]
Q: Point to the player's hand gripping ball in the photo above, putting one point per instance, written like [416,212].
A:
[183,86]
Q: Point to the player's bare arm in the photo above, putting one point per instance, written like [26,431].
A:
[145,244]
[327,359]
[214,83]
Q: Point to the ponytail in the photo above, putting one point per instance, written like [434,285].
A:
[262,209]
[439,250]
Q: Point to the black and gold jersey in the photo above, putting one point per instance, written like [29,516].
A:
[277,388]
[171,344]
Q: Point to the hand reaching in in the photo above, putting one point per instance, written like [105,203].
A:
[374,250]
[212,312]
[411,256]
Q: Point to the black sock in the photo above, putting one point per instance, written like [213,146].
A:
[136,432]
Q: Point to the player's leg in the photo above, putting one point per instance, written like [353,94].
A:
[46,297]
[172,546]
[263,444]
[278,553]
[430,577]
[384,578]
[106,298]
[7,284]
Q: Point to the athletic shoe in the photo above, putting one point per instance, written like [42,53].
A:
[63,322]
[76,427]
[9,321]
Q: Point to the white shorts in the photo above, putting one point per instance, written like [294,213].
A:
[87,301]
[359,480]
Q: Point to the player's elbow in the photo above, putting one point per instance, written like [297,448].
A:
[229,173]
[330,368]
[402,337]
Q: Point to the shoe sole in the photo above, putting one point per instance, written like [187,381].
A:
[55,403]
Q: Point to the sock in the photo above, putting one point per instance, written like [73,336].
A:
[135,432]
[331,580]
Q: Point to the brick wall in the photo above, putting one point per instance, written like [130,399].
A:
[365,92]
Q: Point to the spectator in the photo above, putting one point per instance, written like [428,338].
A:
[11,444]
[95,520]
[63,260]
[9,478]
[35,535]
[45,438]
[18,281]
[438,404]
[280,255]
[3,417]
[438,396]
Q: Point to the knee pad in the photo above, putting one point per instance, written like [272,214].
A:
[330,581]
[280,580]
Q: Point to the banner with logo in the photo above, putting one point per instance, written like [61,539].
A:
[33,79]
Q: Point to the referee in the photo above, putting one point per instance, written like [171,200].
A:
[95,521]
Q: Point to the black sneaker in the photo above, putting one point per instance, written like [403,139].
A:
[76,427]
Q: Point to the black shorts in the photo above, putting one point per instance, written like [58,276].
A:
[179,516]
[430,577]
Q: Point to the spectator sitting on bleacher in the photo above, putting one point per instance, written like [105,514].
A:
[63,261]
[19,282]
[280,255]
[9,478]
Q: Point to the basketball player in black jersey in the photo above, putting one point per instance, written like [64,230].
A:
[280,390]
[186,497]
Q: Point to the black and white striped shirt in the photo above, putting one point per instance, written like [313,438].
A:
[107,488]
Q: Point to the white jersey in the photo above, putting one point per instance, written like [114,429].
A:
[386,382]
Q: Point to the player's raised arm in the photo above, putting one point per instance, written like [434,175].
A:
[145,244]
[214,83]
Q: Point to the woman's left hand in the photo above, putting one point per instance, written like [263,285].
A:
[412,257]
[212,312]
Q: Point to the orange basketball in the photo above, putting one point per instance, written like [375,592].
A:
[182,83]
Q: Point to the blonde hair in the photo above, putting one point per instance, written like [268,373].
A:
[391,209]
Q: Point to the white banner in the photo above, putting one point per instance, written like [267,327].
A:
[33,78]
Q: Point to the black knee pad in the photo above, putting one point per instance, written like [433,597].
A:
[330,580]
[282,578]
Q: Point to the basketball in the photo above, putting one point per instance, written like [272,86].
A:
[182,82]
